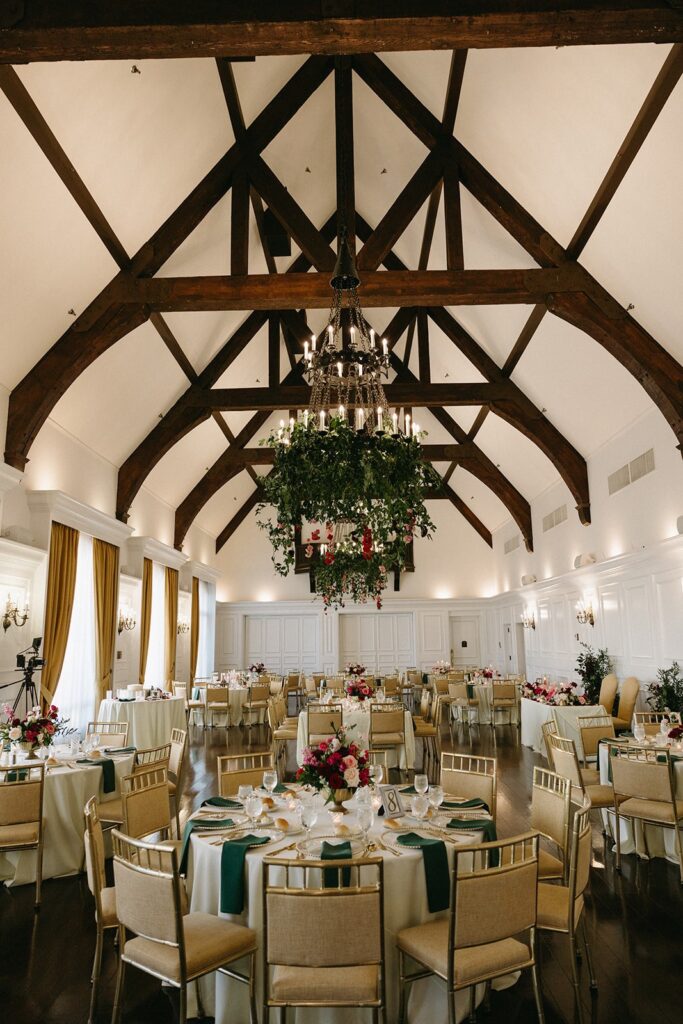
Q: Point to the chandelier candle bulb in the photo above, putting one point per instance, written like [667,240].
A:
[313,342]
[340,367]
[291,422]
[407,423]
[385,346]
[305,350]
[372,338]
[322,419]
[394,419]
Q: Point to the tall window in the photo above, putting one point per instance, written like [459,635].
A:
[76,694]
[207,629]
[155,668]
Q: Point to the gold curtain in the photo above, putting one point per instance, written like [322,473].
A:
[194,629]
[145,615]
[61,585]
[106,573]
[171,621]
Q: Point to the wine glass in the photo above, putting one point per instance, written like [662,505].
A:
[244,792]
[435,797]
[365,817]
[377,774]
[95,740]
[638,731]
[270,781]
[253,805]
[309,816]
[419,805]
[363,795]
[421,783]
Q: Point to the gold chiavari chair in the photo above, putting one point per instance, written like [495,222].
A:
[426,730]
[255,711]
[21,814]
[550,804]
[321,722]
[644,787]
[628,695]
[549,729]
[593,729]
[651,720]
[167,942]
[196,701]
[391,684]
[216,702]
[294,687]
[104,896]
[280,732]
[143,809]
[491,927]
[242,770]
[388,729]
[468,776]
[110,734]
[304,963]
[608,692]
[152,757]
[560,907]
[567,763]
[461,702]
[503,698]
[176,765]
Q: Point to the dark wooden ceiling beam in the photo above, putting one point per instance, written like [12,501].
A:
[100,325]
[239,224]
[47,30]
[343,140]
[378,288]
[273,350]
[240,399]
[423,347]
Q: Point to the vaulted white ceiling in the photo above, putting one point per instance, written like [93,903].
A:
[547,123]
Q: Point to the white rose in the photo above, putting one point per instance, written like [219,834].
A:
[334,744]
[351,777]
[15,733]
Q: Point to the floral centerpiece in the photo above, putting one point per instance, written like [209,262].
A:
[440,668]
[555,694]
[258,667]
[34,730]
[336,765]
[487,672]
[358,688]
[676,733]
[355,670]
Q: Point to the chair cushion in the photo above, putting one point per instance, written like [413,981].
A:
[108,900]
[209,943]
[425,729]
[285,734]
[549,866]
[620,724]
[590,776]
[600,796]
[553,907]
[655,810]
[111,810]
[23,834]
[326,984]
[428,943]
[382,739]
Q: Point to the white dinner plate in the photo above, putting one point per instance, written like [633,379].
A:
[311,848]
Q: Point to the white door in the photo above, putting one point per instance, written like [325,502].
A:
[464,641]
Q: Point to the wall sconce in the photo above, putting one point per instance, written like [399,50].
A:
[528,620]
[183,626]
[584,614]
[12,615]
[126,621]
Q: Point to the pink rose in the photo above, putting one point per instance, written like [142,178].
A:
[350,762]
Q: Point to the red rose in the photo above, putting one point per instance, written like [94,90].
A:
[336,781]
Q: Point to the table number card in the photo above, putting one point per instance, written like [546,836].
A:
[391,801]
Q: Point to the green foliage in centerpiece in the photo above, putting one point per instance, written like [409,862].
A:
[375,483]
[593,666]
[667,693]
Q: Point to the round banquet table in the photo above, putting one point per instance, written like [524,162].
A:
[405,905]
[149,721]
[636,836]
[354,714]
[67,791]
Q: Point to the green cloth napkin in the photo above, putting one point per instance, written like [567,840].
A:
[222,801]
[108,771]
[195,693]
[192,826]
[487,827]
[409,789]
[336,851]
[18,776]
[281,788]
[470,691]
[435,861]
[464,805]
[232,872]
[120,750]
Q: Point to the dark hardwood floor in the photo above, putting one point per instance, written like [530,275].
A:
[635,923]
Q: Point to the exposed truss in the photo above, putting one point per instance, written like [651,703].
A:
[560,285]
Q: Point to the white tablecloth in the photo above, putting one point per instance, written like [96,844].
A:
[238,696]
[67,791]
[535,714]
[636,837]
[405,905]
[149,721]
[360,735]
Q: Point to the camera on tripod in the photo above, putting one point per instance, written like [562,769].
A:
[33,662]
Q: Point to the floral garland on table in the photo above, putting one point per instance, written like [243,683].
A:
[258,668]
[487,673]
[373,483]
[557,694]
[355,670]
[36,728]
[676,733]
[334,764]
[441,668]
[358,688]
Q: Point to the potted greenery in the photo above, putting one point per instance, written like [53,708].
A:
[593,666]
[667,693]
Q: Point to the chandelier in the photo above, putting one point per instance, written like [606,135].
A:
[348,479]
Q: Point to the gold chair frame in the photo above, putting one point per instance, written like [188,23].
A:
[35,777]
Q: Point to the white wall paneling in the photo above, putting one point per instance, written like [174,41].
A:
[382,641]
[464,631]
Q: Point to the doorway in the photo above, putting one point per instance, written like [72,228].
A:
[464,642]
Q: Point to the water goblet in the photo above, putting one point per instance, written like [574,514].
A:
[421,783]
[419,805]
[377,773]
[244,792]
[365,817]
[270,781]
[435,797]
[309,816]
[363,795]
[253,805]
[639,732]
